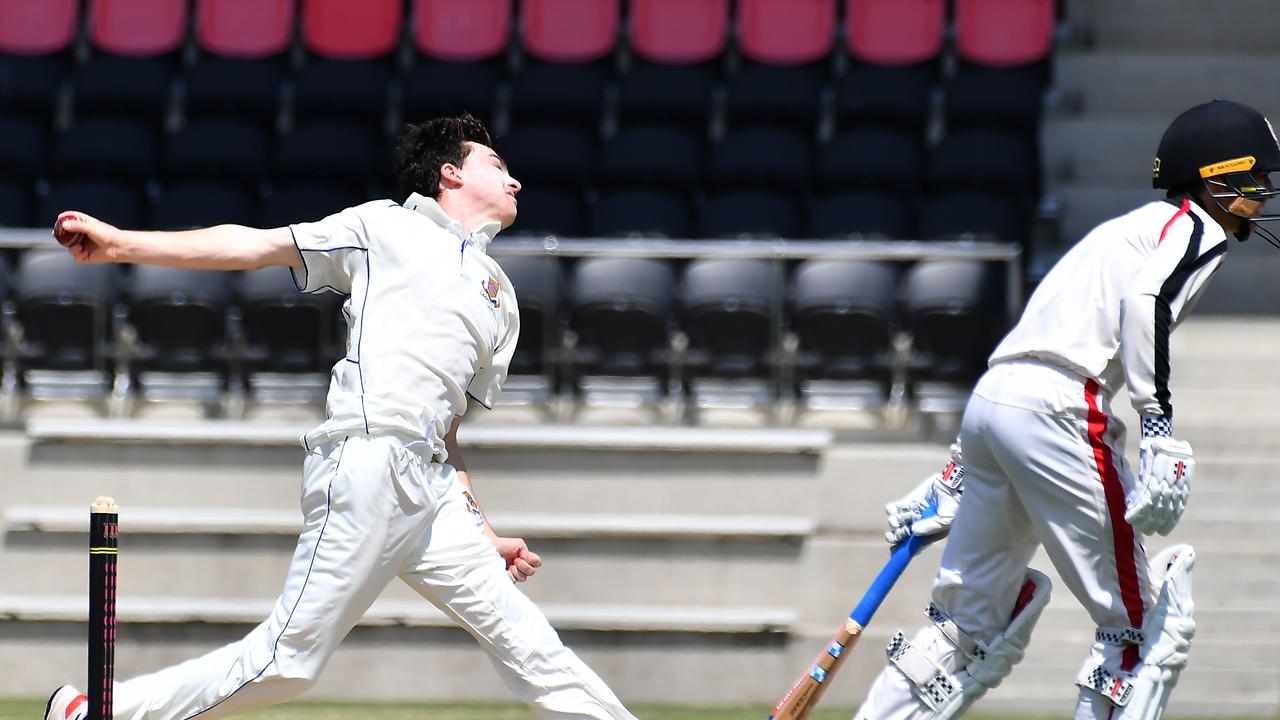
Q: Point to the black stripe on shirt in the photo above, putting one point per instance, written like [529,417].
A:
[1164,311]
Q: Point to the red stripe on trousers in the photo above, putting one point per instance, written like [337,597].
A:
[1121,530]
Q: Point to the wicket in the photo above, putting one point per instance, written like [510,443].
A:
[103,551]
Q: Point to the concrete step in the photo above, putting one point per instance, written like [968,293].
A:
[1156,84]
[1241,26]
[1106,150]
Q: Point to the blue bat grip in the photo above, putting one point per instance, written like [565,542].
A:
[902,554]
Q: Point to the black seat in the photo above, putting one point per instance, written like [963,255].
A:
[549,211]
[304,201]
[983,159]
[181,318]
[32,83]
[678,94]
[539,284]
[120,86]
[729,308]
[349,90]
[338,152]
[573,93]
[65,309]
[641,212]
[202,204]
[843,313]
[218,149]
[1009,98]
[862,213]
[621,309]
[285,331]
[437,88]
[17,204]
[784,95]
[244,89]
[561,155]
[762,157]
[955,313]
[24,147]
[660,155]
[750,213]
[873,157]
[894,96]
[974,215]
[113,148]
[119,203]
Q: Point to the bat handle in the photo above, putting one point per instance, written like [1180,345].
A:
[898,560]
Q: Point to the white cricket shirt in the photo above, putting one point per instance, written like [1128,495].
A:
[1107,307]
[431,317]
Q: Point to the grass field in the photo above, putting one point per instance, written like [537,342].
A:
[32,709]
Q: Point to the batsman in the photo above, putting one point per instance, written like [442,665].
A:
[1043,456]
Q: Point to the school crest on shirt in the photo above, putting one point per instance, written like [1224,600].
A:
[491,288]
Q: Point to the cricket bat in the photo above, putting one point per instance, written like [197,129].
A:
[804,695]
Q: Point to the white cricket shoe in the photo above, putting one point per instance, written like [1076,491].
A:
[66,703]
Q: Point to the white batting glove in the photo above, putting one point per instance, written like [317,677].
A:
[944,488]
[1165,469]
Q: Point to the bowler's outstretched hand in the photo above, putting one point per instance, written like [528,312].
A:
[88,239]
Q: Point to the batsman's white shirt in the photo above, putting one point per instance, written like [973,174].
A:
[1107,307]
[432,317]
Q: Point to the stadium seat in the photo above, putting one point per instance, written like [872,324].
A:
[895,32]
[539,284]
[894,96]
[791,96]
[641,212]
[786,32]
[1004,33]
[35,39]
[873,157]
[119,203]
[981,159]
[288,337]
[565,76]
[955,314]
[17,204]
[350,90]
[729,309]
[843,313]
[217,149]
[1009,98]
[677,46]
[65,309]
[136,44]
[342,30]
[181,318]
[549,211]
[461,50]
[202,204]
[749,214]
[111,148]
[660,155]
[560,155]
[762,157]
[337,152]
[974,215]
[305,201]
[244,28]
[862,214]
[23,147]
[241,69]
[621,309]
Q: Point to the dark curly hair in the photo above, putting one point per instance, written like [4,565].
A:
[426,146]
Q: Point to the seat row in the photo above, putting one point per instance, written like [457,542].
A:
[592,328]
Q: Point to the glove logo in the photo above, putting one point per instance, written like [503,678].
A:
[1179,470]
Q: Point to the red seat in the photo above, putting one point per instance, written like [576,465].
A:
[569,31]
[345,30]
[679,31]
[786,32]
[37,27]
[895,32]
[244,28]
[137,28]
[461,32]
[1004,33]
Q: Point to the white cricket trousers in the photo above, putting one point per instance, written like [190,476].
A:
[376,508]
[1044,465]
